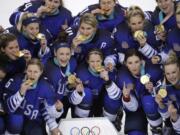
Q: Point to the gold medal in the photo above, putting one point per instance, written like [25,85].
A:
[160,28]
[144,79]
[19,54]
[162,92]
[72,79]
[40,36]
[139,33]
[29,82]
[99,68]
[81,37]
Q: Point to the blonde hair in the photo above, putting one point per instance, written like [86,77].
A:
[134,11]
[178,9]
[90,19]
[172,59]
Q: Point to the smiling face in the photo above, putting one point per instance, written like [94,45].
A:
[166,6]
[133,63]
[63,56]
[52,5]
[11,49]
[172,73]
[107,6]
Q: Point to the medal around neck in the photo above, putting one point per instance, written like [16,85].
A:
[162,92]
[144,79]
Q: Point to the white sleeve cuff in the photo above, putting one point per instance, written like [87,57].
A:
[41,54]
[176,125]
[132,105]
[76,98]
[113,91]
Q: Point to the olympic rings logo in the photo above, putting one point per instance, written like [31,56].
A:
[95,130]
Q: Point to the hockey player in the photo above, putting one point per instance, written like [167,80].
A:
[108,14]
[25,94]
[138,33]
[62,66]
[138,97]
[169,103]
[88,36]
[96,77]
[9,55]
[32,37]
[51,13]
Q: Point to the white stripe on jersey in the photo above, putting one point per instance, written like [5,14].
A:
[76,98]
[81,112]
[148,51]
[15,101]
[113,91]
[176,125]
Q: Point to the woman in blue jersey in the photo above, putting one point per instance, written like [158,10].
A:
[136,32]
[108,14]
[95,77]
[59,68]
[172,42]
[11,57]
[169,103]
[87,36]
[138,94]
[52,13]
[26,97]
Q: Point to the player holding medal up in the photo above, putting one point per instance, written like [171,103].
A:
[170,91]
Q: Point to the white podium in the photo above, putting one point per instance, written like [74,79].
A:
[87,126]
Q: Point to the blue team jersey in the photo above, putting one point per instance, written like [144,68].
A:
[173,41]
[158,16]
[92,80]
[100,40]
[124,76]
[52,23]
[58,78]
[12,67]
[107,23]
[31,105]
[124,38]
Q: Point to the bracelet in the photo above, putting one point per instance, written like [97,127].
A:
[126,99]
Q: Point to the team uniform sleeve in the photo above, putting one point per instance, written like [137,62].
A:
[13,98]
[176,125]
[76,98]
[131,105]
[114,92]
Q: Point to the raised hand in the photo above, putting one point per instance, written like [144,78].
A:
[58,105]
